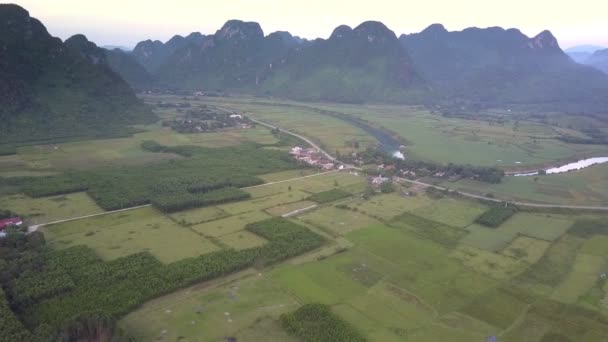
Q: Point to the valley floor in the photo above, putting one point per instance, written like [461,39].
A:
[400,266]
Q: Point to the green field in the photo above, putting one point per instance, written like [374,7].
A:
[396,267]
[510,143]
[585,187]
[91,154]
[121,234]
[547,227]
[50,209]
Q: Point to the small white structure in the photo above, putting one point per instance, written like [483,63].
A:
[236,116]
[379,180]
[296,150]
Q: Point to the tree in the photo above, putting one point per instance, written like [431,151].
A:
[387,187]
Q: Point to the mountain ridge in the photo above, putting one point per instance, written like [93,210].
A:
[51,90]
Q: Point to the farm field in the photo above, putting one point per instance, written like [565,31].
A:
[503,142]
[331,133]
[395,266]
[547,227]
[584,187]
[121,234]
[388,281]
[83,155]
[49,209]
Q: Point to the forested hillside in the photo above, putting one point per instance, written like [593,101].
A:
[53,91]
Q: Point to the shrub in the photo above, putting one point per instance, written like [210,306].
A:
[329,196]
[496,215]
[317,323]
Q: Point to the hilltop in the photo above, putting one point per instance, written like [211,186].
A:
[50,90]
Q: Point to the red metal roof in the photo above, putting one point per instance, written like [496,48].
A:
[10,221]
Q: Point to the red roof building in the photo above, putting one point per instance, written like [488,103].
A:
[13,221]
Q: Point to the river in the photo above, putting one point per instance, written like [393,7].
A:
[581,164]
[388,143]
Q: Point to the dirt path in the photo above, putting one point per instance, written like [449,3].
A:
[295,212]
[37,226]
[34,228]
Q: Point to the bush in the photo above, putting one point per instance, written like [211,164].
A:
[317,323]
[496,215]
[116,287]
[329,196]
[172,184]
[586,228]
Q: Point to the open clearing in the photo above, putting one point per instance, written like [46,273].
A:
[547,227]
[399,268]
[93,154]
[49,209]
[588,186]
[121,234]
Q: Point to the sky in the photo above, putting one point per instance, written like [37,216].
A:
[126,22]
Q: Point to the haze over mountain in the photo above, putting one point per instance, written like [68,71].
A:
[55,90]
[580,53]
[488,67]
[152,54]
[366,63]
[599,60]
[497,66]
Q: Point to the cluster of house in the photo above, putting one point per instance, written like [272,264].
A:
[379,180]
[9,222]
[312,157]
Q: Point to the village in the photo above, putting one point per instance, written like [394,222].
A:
[313,157]
[207,119]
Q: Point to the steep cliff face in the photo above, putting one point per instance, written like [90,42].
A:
[50,89]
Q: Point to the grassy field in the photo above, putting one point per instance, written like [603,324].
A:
[50,209]
[585,187]
[91,154]
[331,133]
[116,235]
[547,227]
[509,143]
[338,221]
[246,309]
[392,284]
[398,268]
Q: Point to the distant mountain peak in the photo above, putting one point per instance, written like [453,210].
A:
[81,45]
[434,29]
[544,40]
[375,32]
[341,32]
[238,29]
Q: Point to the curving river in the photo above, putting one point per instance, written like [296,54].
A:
[581,164]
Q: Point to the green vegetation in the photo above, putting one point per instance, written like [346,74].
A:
[55,91]
[329,196]
[586,228]
[172,186]
[6,150]
[120,234]
[316,322]
[12,329]
[496,215]
[435,231]
[129,281]
[50,209]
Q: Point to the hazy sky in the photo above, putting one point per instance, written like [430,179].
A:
[125,22]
